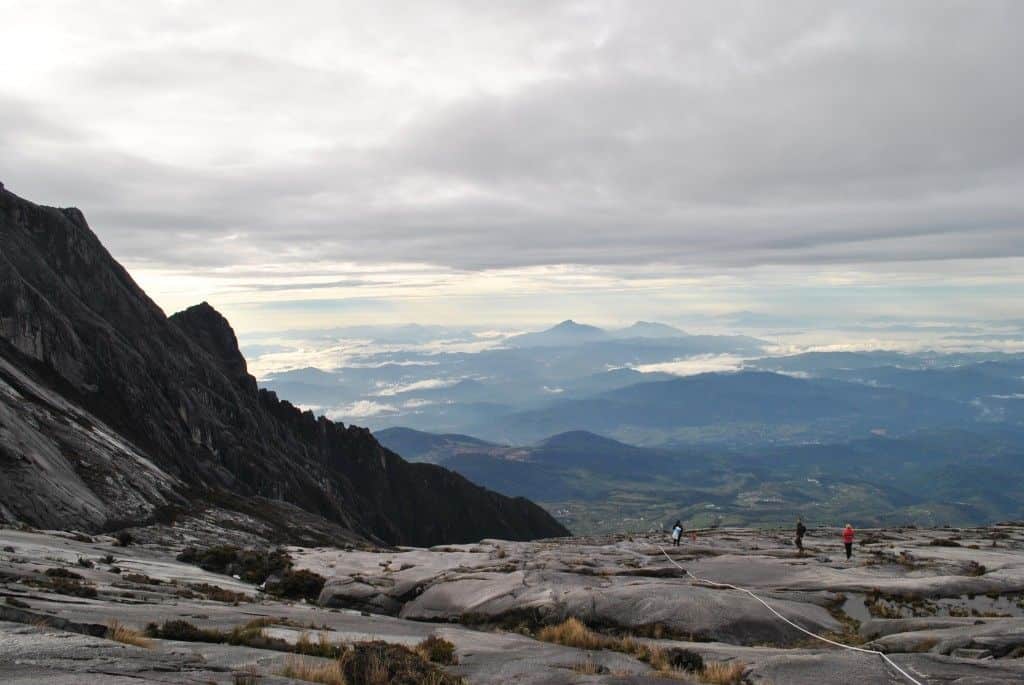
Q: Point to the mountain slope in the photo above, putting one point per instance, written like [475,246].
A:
[177,390]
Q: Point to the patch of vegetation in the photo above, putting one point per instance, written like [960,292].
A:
[380,663]
[370,663]
[251,565]
[975,569]
[944,542]
[437,650]
[185,632]
[680,659]
[723,673]
[16,603]
[215,593]
[323,647]
[850,634]
[124,538]
[140,579]
[62,573]
[301,584]
[574,633]
[589,667]
[65,582]
[328,673]
[121,633]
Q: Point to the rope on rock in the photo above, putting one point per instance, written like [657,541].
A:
[791,623]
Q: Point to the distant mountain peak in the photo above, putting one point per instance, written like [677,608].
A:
[648,329]
[568,332]
[570,324]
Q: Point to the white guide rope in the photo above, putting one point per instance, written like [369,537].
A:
[786,620]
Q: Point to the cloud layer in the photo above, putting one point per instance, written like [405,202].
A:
[256,138]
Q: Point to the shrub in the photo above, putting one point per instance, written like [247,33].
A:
[944,542]
[301,584]
[437,650]
[124,538]
[380,663]
[683,659]
[975,569]
[251,565]
[215,593]
[65,582]
[62,573]
[184,631]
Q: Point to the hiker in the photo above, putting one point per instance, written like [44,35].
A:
[848,540]
[677,533]
[801,530]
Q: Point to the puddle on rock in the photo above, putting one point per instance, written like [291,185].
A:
[978,606]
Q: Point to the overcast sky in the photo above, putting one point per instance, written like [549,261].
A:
[316,163]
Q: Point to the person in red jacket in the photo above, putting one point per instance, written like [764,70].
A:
[848,540]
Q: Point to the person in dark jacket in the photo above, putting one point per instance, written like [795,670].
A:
[801,530]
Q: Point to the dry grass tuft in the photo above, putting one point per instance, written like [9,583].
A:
[667,662]
[589,667]
[723,673]
[325,672]
[121,633]
[573,633]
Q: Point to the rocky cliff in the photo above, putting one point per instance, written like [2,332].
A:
[86,353]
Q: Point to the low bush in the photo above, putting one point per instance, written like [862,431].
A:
[140,579]
[62,573]
[124,538]
[301,584]
[437,650]
[251,565]
[944,542]
[683,659]
[184,632]
[381,663]
[216,593]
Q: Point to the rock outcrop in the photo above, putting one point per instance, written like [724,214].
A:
[76,330]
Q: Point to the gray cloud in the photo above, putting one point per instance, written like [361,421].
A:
[729,134]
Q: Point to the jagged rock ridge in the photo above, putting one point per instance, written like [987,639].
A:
[84,346]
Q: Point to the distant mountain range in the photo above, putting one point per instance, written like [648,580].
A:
[766,403]
[570,334]
[597,484]
[112,414]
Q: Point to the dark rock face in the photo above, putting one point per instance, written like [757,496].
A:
[178,390]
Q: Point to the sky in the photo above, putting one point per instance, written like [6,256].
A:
[313,164]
